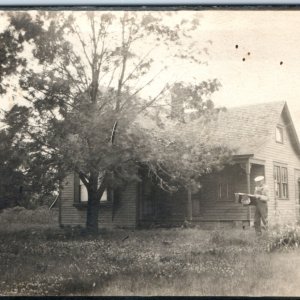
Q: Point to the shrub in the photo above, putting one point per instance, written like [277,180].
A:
[284,237]
[18,214]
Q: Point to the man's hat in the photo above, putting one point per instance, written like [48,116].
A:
[259,178]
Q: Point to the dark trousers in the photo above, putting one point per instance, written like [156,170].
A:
[261,214]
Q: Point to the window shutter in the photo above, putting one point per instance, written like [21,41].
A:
[76,189]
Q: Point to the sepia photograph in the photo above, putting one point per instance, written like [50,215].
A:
[149,151]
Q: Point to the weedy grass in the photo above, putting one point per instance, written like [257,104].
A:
[42,259]
[19,218]
[284,237]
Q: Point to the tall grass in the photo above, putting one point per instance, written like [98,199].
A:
[284,237]
[20,218]
[181,261]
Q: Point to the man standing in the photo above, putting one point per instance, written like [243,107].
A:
[262,197]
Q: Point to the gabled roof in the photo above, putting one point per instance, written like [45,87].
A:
[246,128]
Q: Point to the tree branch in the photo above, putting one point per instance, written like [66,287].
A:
[83,46]
[138,64]
[147,83]
[153,100]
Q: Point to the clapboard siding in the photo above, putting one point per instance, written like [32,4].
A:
[124,214]
[281,211]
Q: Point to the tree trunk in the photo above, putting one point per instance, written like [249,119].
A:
[92,211]
[94,196]
[93,205]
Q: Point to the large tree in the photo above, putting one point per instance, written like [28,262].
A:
[94,107]
[26,178]
[17,177]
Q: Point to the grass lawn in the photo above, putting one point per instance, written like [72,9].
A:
[46,260]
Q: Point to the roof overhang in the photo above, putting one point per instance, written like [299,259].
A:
[242,157]
[291,127]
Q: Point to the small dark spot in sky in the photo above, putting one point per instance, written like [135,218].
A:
[244,59]
[236,46]
[281,62]
[249,53]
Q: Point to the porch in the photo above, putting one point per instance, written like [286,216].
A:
[215,202]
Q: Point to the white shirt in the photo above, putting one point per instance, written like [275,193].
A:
[262,192]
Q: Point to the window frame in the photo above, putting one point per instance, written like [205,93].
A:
[280,128]
[280,171]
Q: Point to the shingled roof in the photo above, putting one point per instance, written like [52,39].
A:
[247,127]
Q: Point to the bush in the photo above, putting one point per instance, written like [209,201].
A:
[284,237]
[18,214]
[33,201]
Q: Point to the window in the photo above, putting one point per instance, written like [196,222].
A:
[277,181]
[83,194]
[297,185]
[220,191]
[225,185]
[284,182]
[225,191]
[298,190]
[279,134]
[281,181]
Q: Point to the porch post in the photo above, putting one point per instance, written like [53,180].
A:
[189,209]
[248,171]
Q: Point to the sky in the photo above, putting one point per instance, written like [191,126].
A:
[270,37]
[264,38]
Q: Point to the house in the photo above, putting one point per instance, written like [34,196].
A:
[266,144]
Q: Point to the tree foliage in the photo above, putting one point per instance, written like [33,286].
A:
[12,45]
[88,112]
[23,178]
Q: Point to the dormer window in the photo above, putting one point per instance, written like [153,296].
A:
[279,134]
